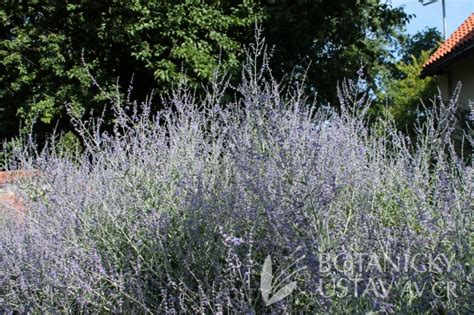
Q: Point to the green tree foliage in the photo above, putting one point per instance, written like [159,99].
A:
[403,90]
[406,95]
[415,45]
[48,49]
[336,38]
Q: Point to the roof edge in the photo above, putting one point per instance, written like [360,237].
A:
[438,65]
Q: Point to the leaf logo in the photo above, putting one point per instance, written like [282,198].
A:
[266,284]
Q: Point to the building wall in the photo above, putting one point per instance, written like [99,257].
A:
[461,70]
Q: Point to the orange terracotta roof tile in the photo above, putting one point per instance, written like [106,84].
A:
[463,36]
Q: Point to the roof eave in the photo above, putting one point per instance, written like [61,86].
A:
[439,65]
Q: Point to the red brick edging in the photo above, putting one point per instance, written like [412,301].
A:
[11,203]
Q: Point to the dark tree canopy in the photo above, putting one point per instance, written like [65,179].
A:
[157,42]
[416,44]
[47,48]
[335,37]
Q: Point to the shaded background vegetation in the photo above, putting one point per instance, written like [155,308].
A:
[49,49]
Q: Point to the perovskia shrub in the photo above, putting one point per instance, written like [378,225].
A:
[175,211]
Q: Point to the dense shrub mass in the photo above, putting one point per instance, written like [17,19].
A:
[177,211]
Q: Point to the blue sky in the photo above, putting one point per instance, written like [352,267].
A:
[431,16]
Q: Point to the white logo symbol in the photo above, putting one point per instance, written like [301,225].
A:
[266,284]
